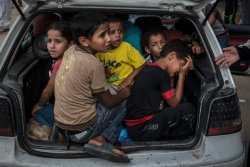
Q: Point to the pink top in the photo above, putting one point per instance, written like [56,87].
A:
[56,67]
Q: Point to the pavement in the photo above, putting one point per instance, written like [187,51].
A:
[241,82]
[14,15]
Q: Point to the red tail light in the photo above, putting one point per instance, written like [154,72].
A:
[5,123]
[225,116]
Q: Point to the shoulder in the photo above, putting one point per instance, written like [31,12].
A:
[125,44]
[129,48]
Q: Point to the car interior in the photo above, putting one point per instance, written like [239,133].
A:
[29,70]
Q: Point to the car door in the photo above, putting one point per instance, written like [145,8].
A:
[239,36]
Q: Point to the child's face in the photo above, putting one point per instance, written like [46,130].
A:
[100,41]
[155,45]
[116,34]
[56,44]
[174,64]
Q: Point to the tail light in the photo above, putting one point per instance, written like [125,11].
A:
[225,116]
[5,123]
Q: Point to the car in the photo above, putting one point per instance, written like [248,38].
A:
[24,61]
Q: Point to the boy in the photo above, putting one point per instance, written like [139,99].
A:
[123,62]
[146,120]
[153,41]
[80,81]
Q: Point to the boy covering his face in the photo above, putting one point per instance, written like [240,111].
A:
[146,119]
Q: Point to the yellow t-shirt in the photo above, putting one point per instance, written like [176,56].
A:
[120,62]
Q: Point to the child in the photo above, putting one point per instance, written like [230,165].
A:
[123,62]
[153,42]
[80,82]
[189,35]
[144,120]
[59,40]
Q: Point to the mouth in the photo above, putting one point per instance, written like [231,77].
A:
[117,41]
[108,47]
[52,51]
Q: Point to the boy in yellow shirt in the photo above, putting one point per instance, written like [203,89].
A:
[123,62]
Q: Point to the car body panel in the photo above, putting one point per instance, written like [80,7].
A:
[171,4]
[212,40]
[213,151]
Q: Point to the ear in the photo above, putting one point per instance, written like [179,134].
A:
[70,43]
[171,56]
[147,50]
[83,41]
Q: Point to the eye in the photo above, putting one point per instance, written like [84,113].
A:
[153,44]
[120,31]
[163,42]
[58,41]
[102,35]
[111,32]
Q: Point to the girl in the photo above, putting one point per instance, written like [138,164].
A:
[59,39]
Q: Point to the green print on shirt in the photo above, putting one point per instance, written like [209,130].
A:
[111,77]
[108,64]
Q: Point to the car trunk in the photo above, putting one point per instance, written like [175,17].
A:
[28,75]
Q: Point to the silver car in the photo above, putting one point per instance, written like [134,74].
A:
[218,138]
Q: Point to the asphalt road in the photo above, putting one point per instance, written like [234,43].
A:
[242,83]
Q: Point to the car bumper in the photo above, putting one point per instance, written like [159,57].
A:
[217,151]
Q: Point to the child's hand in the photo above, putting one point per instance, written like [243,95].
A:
[126,82]
[35,108]
[186,66]
[125,91]
[196,48]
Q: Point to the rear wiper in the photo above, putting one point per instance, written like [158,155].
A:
[210,12]
[19,10]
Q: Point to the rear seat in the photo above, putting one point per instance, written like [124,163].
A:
[172,34]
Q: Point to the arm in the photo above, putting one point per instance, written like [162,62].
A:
[46,94]
[196,48]
[175,100]
[112,100]
[244,52]
[126,82]
[212,19]
[184,68]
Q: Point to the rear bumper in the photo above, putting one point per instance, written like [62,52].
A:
[217,151]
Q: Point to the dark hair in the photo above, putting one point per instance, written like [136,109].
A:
[151,31]
[178,46]
[114,19]
[185,26]
[63,27]
[146,22]
[86,23]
